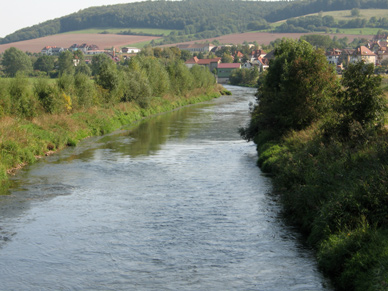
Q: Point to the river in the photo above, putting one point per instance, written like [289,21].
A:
[175,202]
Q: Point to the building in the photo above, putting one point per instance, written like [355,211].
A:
[196,47]
[333,56]
[52,50]
[362,53]
[130,50]
[211,64]
[224,70]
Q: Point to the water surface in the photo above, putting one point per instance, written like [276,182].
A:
[173,203]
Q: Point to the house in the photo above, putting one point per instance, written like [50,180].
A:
[224,70]
[382,55]
[239,55]
[247,65]
[262,63]
[130,50]
[85,48]
[345,57]
[52,50]
[333,56]
[362,53]
[256,54]
[211,64]
[94,52]
[196,47]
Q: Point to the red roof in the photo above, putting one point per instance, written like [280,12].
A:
[364,51]
[229,66]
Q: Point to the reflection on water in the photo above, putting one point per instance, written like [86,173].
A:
[175,202]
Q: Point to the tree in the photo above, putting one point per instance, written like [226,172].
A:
[97,62]
[44,64]
[226,58]
[360,104]
[295,91]
[65,63]
[14,61]
[83,68]
[355,12]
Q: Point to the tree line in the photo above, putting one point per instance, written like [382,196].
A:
[152,74]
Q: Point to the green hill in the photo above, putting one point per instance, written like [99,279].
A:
[198,19]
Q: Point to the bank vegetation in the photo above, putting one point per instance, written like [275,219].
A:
[325,142]
[39,115]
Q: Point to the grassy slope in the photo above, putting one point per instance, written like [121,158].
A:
[24,141]
[346,15]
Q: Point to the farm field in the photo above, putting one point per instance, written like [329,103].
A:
[66,40]
[154,31]
[345,15]
[265,38]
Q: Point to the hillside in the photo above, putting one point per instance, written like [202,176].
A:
[217,17]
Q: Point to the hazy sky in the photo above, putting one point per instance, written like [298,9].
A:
[17,14]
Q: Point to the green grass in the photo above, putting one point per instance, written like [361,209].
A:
[346,16]
[155,31]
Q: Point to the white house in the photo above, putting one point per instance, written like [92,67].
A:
[130,50]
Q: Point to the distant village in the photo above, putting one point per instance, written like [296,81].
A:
[374,52]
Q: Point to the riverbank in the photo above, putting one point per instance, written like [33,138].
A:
[24,141]
[337,193]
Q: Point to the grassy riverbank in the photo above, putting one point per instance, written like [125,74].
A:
[24,140]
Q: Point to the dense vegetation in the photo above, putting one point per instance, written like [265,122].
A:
[324,140]
[42,114]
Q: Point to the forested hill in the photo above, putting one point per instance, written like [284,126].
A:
[189,16]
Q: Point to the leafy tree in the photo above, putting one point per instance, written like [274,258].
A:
[85,90]
[355,12]
[97,62]
[23,104]
[185,55]
[295,91]
[14,61]
[44,64]
[360,104]
[83,68]
[47,95]
[136,88]
[65,63]
[226,58]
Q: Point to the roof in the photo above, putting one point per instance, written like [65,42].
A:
[229,66]
[364,51]
[195,60]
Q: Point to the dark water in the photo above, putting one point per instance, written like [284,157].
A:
[174,203]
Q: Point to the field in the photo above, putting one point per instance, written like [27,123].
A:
[346,15]
[66,40]
[154,31]
[264,38]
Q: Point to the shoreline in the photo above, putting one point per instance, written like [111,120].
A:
[45,135]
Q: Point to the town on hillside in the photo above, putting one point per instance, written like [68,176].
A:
[222,60]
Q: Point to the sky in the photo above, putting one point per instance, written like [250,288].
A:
[17,14]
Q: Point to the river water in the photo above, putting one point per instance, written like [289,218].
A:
[173,203]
